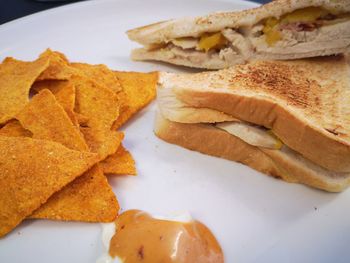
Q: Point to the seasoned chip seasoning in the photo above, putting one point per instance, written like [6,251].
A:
[142,238]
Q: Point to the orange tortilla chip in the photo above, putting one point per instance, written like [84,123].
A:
[14,129]
[31,171]
[16,78]
[102,144]
[88,198]
[101,74]
[119,163]
[82,120]
[100,106]
[64,92]
[58,68]
[104,77]
[139,89]
[46,119]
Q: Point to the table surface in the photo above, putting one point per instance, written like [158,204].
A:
[12,9]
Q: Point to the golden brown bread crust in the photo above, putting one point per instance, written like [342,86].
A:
[164,31]
[305,103]
[222,144]
[217,143]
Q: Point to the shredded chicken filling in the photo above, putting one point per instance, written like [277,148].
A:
[273,29]
[306,19]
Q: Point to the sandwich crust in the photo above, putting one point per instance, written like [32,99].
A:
[262,33]
[305,103]
[279,164]
[164,31]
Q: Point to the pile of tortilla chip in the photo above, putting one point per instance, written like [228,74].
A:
[57,145]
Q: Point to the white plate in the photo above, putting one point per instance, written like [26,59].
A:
[256,218]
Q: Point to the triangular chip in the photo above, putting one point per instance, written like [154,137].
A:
[46,119]
[104,144]
[58,68]
[85,199]
[101,74]
[31,171]
[104,77]
[140,90]
[14,129]
[97,103]
[119,163]
[100,106]
[16,78]
[64,92]
[88,198]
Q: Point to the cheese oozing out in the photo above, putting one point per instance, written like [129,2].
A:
[216,40]
[305,15]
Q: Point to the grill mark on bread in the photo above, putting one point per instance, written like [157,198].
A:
[323,99]
[284,81]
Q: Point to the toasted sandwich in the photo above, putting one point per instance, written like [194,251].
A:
[279,30]
[288,119]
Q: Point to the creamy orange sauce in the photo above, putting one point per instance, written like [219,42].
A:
[142,238]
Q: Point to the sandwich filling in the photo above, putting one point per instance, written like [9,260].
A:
[251,134]
[301,31]
[175,110]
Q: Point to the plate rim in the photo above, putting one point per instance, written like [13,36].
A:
[250,4]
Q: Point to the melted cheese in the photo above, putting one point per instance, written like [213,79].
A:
[272,35]
[210,41]
[309,14]
[306,15]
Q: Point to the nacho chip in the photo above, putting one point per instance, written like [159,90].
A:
[46,119]
[104,77]
[31,171]
[16,78]
[64,92]
[14,129]
[58,68]
[88,198]
[97,103]
[119,163]
[100,106]
[102,144]
[140,90]
[101,74]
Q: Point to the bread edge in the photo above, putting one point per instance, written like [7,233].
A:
[223,145]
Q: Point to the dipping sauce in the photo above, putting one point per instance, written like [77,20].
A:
[141,238]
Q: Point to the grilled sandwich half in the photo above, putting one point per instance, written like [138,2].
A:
[288,119]
[279,30]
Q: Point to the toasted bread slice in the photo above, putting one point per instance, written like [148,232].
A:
[284,163]
[280,30]
[305,103]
